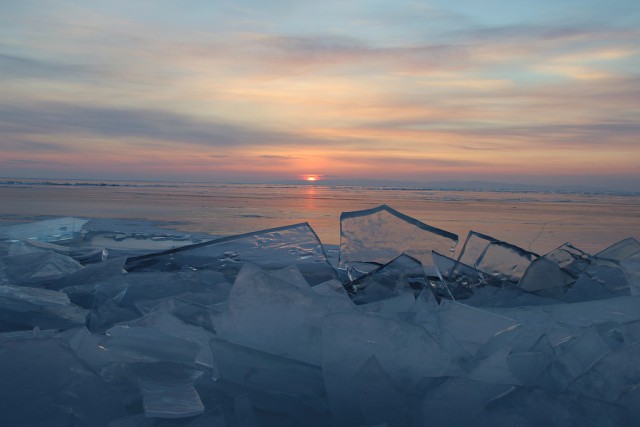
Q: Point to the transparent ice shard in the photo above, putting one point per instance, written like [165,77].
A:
[553,274]
[167,390]
[149,345]
[406,352]
[271,249]
[45,384]
[627,254]
[25,308]
[275,316]
[377,236]
[400,274]
[459,279]
[503,260]
[51,230]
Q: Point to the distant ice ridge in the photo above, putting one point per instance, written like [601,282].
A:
[99,328]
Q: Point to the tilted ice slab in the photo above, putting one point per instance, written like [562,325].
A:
[270,249]
[373,237]
[505,261]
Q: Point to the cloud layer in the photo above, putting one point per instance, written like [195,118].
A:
[217,90]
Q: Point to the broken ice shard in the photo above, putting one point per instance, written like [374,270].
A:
[459,280]
[36,269]
[626,253]
[25,308]
[402,273]
[553,274]
[121,298]
[270,249]
[503,260]
[373,237]
[406,352]
[602,279]
[276,314]
[51,230]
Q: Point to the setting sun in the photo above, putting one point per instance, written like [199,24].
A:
[311,178]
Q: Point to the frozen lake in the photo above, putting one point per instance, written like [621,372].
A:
[537,221]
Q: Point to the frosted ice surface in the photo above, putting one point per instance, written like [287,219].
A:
[406,352]
[503,260]
[45,384]
[381,234]
[167,390]
[554,273]
[271,249]
[51,230]
[403,273]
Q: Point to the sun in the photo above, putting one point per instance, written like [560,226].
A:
[311,178]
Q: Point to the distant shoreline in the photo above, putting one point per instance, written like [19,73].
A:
[472,186]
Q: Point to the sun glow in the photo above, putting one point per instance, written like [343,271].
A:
[311,178]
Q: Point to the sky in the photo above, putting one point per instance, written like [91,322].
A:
[544,92]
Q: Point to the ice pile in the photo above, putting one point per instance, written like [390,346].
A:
[261,330]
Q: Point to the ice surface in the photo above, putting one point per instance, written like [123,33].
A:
[503,260]
[377,236]
[270,249]
[230,332]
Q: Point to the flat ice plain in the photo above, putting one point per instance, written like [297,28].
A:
[117,324]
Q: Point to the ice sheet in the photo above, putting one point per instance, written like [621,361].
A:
[270,249]
[381,234]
